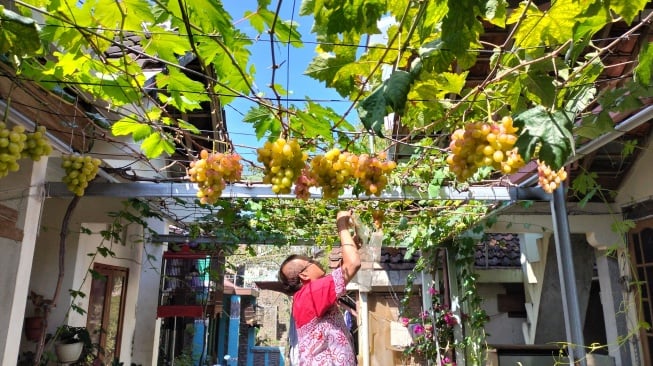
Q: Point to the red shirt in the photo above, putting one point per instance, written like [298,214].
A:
[323,336]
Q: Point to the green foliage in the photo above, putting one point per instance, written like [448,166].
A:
[548,132]
[20,34]
[543,76]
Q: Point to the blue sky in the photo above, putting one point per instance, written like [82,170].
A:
[290,75]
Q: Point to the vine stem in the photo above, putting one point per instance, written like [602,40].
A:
[63,234]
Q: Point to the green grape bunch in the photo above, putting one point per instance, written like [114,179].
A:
[283,162]
[484,144]
[12,144]
[333,171]
[37,145]
[212,172]
[79,171]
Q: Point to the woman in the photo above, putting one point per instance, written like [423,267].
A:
[323,336]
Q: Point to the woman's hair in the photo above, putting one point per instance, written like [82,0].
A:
[291,281]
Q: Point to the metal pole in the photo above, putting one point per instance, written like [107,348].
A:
[570,306]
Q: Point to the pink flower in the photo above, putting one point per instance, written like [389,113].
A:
[424,314]
[418,329]
[446,361]
[404,321]
[450,319]
[433,291]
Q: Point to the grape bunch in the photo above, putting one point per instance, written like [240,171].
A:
[484,144]
[283,161]
[12,143]
[80,170]
[211,173]
[333,171]
[548,178]
[36,144]
[372,172]
[303,183]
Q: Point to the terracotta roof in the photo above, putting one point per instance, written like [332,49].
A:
[497,250]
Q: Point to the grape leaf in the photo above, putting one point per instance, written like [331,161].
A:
[155,145]
[628,9]
[325,67]
[311,125]
[645,64]
[594,125]
[550,130]
[264,121]
[185,94]
[460,29]
[553,27]
[539,88]
[435,57]
[285,31]
[19,35]
[495,12]
[130,125]
[389,96]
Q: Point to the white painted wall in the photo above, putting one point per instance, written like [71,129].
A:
[128,256]
[500,328]
[91,214]
[637,187]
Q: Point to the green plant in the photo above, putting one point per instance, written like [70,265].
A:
[67,334]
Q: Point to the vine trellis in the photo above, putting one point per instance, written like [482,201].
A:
[548,73]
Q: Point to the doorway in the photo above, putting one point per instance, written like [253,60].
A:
[641,248]
[106,309]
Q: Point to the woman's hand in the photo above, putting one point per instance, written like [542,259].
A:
[343,220]
[351,261]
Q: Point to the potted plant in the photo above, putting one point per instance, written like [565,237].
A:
[72,343]
[35,324]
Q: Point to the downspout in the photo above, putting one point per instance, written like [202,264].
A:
[570,305]
[571,308]
[364,348]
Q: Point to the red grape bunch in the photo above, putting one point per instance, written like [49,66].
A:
[372,172]
[212,172]
[303,183]
[548,178]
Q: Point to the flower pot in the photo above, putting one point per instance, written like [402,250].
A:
[34,326]
[68,352]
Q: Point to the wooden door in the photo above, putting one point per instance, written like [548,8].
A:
[106,309]
[641,249]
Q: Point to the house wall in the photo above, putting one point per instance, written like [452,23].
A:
[637,186]
[500,329]
[77,262]
[17,193]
